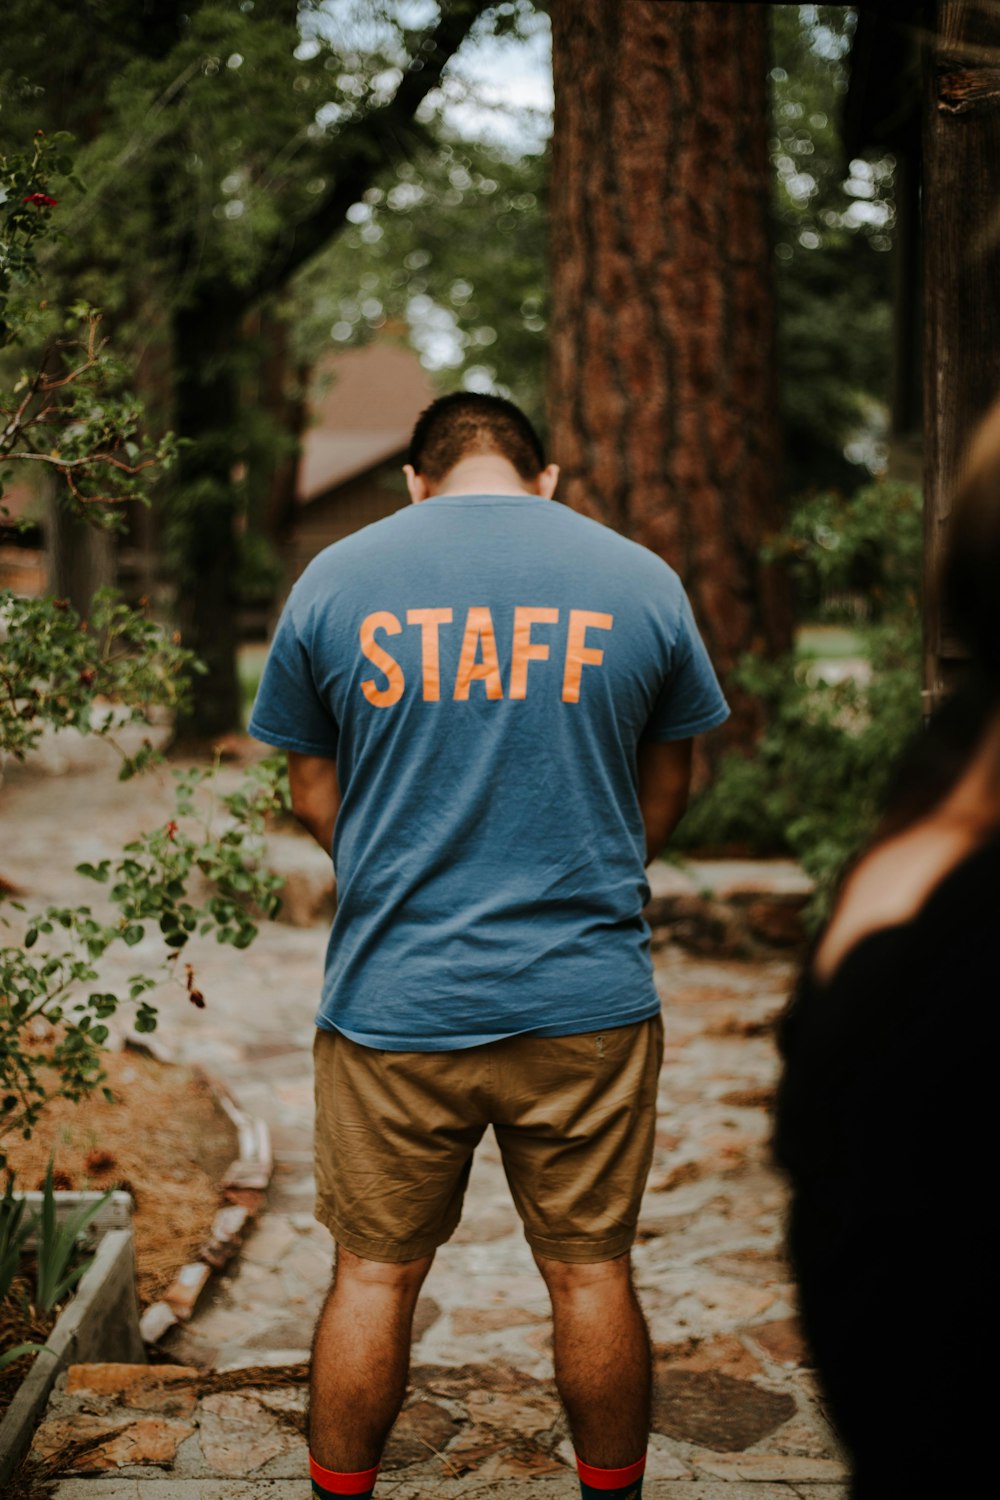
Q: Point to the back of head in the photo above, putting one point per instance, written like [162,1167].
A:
[465,424]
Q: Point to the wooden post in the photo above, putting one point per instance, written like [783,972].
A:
[961,234]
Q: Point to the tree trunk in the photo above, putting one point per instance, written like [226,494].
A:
[81,558]
[203,511]
[961,283]
[663,389]
[279,385]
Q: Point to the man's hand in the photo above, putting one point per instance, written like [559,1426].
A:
[664,780]
[315,795]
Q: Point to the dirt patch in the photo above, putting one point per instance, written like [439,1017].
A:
[164,1139]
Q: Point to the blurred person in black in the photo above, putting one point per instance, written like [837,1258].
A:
[889,1060]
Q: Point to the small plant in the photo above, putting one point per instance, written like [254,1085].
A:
[9,1356]
[51,978]
[16,1226]
[57,1264]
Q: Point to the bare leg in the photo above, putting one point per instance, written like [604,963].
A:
[360,1359]
[602,1359]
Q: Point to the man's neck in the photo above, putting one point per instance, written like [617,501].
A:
[483,476]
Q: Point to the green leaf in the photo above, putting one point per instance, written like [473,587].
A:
[19,1350]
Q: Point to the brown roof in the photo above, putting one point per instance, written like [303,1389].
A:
[363,417]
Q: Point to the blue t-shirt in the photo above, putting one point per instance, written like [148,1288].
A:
[483,669]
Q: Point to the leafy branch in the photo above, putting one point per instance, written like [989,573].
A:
[202,872]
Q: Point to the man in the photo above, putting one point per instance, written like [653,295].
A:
[488,702]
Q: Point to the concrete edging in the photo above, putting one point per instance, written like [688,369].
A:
[101,1322]
[243,1188]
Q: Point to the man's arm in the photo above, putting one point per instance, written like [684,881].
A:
[664,779]
[315,795]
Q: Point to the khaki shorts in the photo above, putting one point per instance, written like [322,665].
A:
[574,1117]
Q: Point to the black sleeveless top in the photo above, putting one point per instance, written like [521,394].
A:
[882,1117]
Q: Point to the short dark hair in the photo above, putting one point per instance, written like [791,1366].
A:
[455,426]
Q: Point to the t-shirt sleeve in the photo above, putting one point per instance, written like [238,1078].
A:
[690,700]
[289,710]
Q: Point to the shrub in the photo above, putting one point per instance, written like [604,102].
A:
[815,782]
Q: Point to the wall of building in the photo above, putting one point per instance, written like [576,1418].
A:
[357,503]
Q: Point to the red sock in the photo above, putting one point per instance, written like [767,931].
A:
[611,1484]
[328,1483]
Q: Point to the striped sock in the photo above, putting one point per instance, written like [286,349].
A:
[611,1484]
[327,1484]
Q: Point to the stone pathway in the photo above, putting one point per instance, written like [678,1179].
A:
[736,1410]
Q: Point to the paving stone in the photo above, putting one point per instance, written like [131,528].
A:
[717,1411]
[494,1223]
[782,1341]
[311,1262]
[157,1318]
[662,1462]
[186,1288]
[286,1333]
[780,1467]
[229,1223]
[761,1267]
[473,1320]
[725,1354]
[735,1300]
[304,1223]
[426,1314]
[167,1389]
[527,1413]
[806,1438]
[190,1346]
[239,1434]
[119,1439]
[422,1431]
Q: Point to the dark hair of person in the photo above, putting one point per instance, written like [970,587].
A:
[464,423]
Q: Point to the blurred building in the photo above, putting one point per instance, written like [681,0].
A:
[362,408]
[24,562]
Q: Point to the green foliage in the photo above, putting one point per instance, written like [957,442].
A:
[58,1266]
[834,224]
[816,781]
[16,1226]
[52,975]
[860,552]
[450,251]
[9,1356]
[65,410]
[58,671]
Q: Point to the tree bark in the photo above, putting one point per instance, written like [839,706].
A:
[961,249]
[203,510]
[663,388]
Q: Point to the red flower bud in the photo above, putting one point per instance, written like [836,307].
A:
[41,200]
[171,829]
